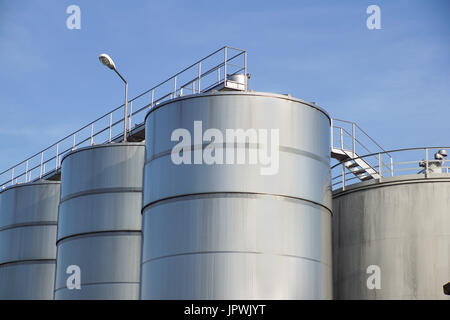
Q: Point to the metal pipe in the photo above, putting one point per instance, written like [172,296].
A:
[12,176]
[426,163]
[342,140]
[73,146]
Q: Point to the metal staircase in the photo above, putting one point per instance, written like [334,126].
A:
[357,166]
[346,138]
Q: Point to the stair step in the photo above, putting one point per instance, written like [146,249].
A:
[365,177]
[358,171]
[350,164]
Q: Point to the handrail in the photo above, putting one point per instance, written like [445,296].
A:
[357,136]
[395,166]
[350,122]
[200,83]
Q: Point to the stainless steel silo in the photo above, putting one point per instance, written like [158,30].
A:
[99,228]
[28,222]
[396,232]
[219,229]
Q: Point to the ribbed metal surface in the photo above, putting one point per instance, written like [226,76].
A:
[226,231]
[99,226]
[401,225]
[28,222]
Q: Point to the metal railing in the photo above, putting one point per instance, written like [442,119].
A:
[350,137]
[418,160]
[203,75]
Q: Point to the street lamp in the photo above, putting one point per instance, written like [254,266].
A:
[107,61]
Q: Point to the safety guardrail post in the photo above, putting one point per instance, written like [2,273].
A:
[199,76]
[40,169]
[392,168]
[225,68]
[245,70]
[56,157]
[92,134]
[343,177]
[110,126]
[353,139]
[26,172]
[131,114]
[175,87]
[380,167]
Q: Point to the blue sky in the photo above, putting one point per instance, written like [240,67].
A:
[394,82]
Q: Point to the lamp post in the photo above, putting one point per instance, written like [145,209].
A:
[107,61]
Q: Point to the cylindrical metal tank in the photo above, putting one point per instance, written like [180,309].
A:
[228,229]
[99,227]
[28,222]
[392,239]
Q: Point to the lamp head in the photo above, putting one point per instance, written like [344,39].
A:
[107,61]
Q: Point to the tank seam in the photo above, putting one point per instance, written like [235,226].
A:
[200,195]
[235,251]
[96,233]
[99,283]
[31,184]
[36,224]
[247,146]
[102,145]
[246,94]
[100,191]
[27,261]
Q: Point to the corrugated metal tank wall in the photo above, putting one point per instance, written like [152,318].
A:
[28,222]
[99,226]
[401,225]
[227,231]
